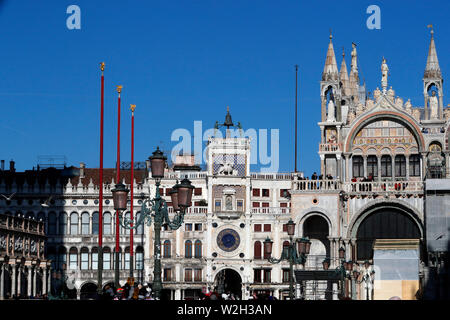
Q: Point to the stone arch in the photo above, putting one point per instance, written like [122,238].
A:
[306,213]
[404,119]
[224,286]
[375,205]
[88,290]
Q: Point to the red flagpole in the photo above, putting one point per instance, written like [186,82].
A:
[119,90]
[100,179]
[132,187]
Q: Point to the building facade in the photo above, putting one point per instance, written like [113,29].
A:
[384,175]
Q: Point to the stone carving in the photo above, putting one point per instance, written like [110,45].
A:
[331,111]
[433,102]
[227,169]
[359,108]
[416,114]
[408,106]
[229,203]
[399,103]
[376,94]
[11,244]
[391,94]
[370,104]
[384,75]
[27,247]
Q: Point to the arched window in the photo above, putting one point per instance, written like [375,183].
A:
[106,258]
[166,249]
[372,166]
[198,249]
[94,258]
[140,228]
[358,166]
[74,223]
[84,258]
[51,255]
[414,165]
[63,223]
[85,223]
[257,250]
[62,257]
[386,166]
[73,258]
[95,223]
[400,166]
[52,223]
[127,258]
[107,223]
[188,249]
[139,258]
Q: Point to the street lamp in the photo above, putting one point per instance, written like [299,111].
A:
[293,255]
[120,195]
[156,208]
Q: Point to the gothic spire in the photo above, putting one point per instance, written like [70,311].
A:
[330,71]
[432,69]
[343,75]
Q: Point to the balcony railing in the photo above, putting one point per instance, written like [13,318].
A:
[192,210]
[330,147]
[272,176]
[315,185]
[271,210]
[384,186]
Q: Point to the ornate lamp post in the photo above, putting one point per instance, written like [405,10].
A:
[156,208]
[293,255]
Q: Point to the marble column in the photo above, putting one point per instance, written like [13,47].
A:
[393,167]
[407,167]
[34,290]
[44,281]
[49,279]
[19,281]
[13,280]
[379,167]
[365,165]
[29,284]
[177,294]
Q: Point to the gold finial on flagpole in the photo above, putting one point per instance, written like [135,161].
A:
[119,89]
[102,66]
[132,107]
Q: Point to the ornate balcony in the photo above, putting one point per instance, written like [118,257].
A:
[330,147]
[316,185]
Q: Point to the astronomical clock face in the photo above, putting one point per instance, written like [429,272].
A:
[228,240]
[229,164]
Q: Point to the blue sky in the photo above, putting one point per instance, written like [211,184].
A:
[181,61]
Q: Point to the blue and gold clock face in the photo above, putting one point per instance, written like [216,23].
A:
[228,240]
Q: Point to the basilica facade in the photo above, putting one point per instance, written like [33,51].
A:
[384,175]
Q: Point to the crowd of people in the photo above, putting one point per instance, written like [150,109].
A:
[131,290]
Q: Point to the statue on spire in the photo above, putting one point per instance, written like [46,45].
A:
[354,64]
[384,75]
[433,102]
